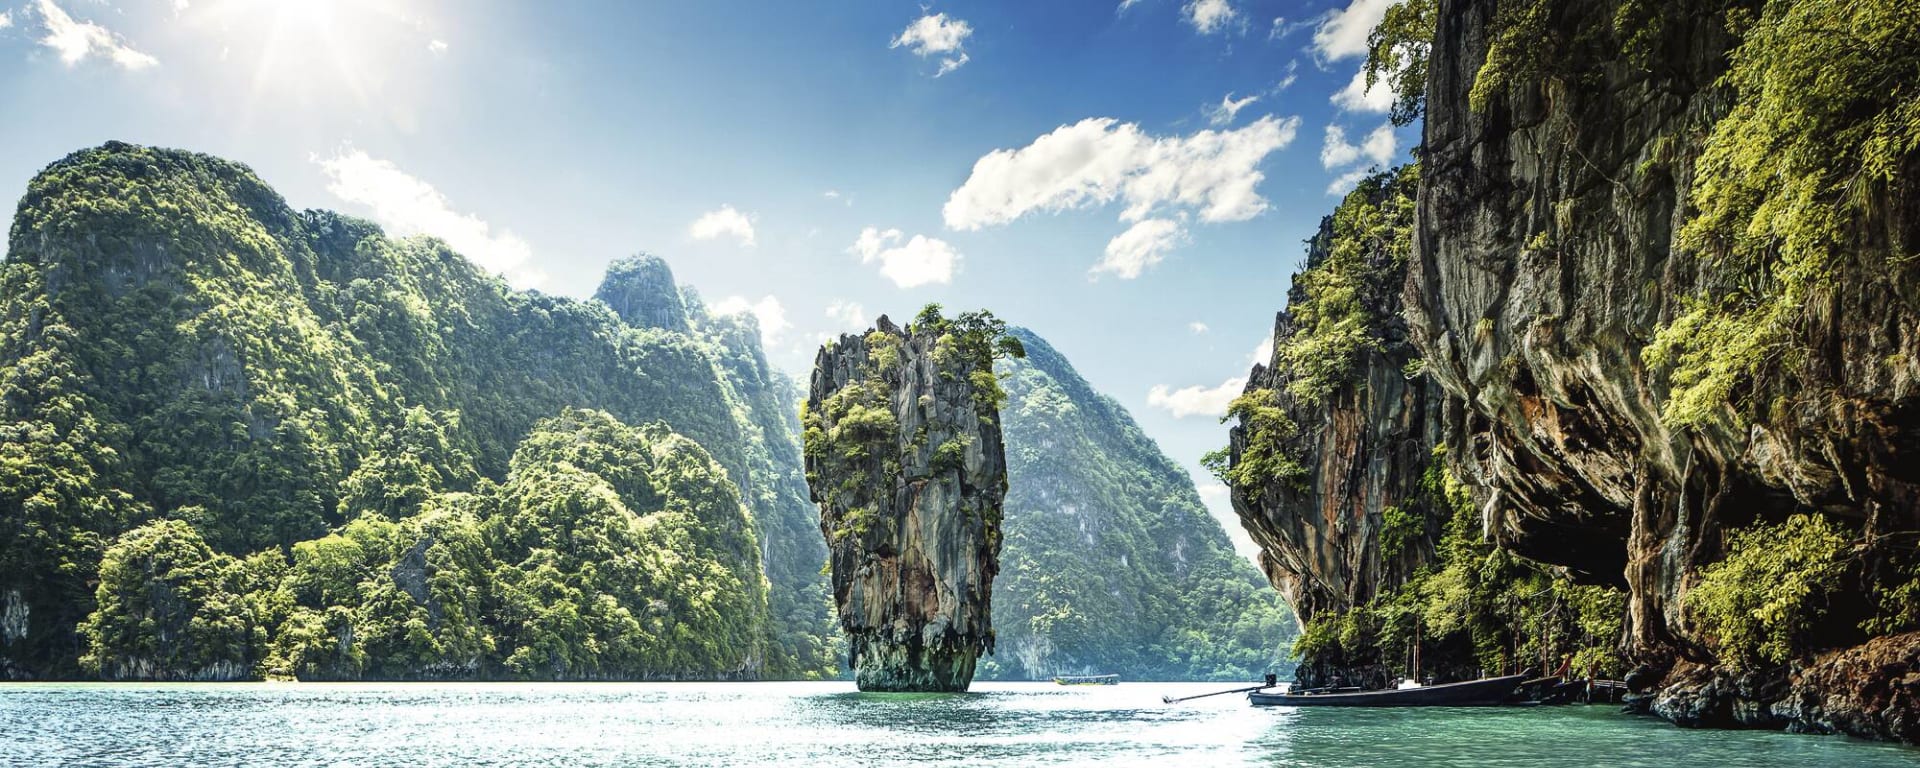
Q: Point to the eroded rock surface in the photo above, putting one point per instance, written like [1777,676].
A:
[1548,256]
[905,458]
[1550,253]
[1363,446]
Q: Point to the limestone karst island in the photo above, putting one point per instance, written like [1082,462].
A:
[1320,383]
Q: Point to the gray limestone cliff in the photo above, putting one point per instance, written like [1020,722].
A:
[1658,324]
[905,458]
[1353,515]
[1553,252]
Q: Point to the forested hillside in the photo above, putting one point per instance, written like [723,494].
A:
[181,346]
[1111,562]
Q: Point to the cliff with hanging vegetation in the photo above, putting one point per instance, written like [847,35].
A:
[1660,287]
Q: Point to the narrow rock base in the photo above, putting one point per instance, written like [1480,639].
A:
[894,668]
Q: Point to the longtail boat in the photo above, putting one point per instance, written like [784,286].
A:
[1472,693]
[1087,680]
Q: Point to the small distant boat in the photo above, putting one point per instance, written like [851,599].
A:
[1087,680]
[1472,693]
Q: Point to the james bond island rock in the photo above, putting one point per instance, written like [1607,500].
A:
[1664,271]
[904,457]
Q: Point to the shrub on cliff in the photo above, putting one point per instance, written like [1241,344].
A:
[1477,607]
[1765,600]
[1825,121]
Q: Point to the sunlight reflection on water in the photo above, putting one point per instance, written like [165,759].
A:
[828,724]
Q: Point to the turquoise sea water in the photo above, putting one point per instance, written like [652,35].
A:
[829,724]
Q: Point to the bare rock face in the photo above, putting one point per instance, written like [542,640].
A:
[1546,259]
[905,459]
[1871,691]
[641,290]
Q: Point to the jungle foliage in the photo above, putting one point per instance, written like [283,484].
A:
[1335,301]
[193,364]
[1476,607]
[1111,561]
[1825,123]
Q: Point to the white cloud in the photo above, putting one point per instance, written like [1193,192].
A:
[1196,327]
[1293,74]
[917,261]
[1099,160]
[1378,148]
[936,35]
[1211,174]
[847,314]
[1336,151]
[411,206]
[1263,353]
[1357,97]
[1381,144]
[1196,400]
[1143,245]
[1344,33]
[77,40]
[437,46]
[1209,16]
[6,19]
[1345,182]
[723,222]
[1282,28]
[951,64]
[1230,108]
[771,316]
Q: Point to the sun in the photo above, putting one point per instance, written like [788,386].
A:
[313,55]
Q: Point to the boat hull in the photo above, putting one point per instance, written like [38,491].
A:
[1473,693]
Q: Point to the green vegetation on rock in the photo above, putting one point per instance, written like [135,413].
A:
[1372,236]
[1762,601]
[1476,607]
[1825,121]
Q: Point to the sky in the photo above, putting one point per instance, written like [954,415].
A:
[1131,179]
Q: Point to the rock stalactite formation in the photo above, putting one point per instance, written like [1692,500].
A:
[1660,302]
[1555,248]
[904,457]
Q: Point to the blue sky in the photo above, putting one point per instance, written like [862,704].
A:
[1091,169]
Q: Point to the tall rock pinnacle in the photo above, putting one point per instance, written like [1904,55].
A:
[904,457]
